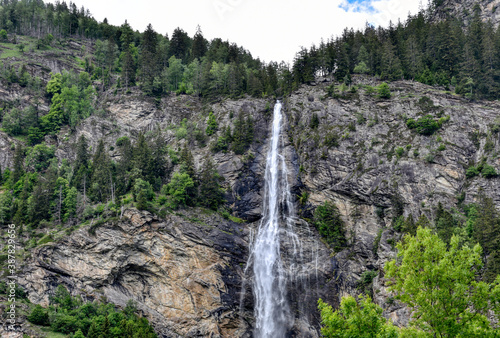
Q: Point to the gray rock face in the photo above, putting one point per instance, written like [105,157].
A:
[464,9]
[379,158]
[187,272]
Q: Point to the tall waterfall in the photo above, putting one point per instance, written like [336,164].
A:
[272,311]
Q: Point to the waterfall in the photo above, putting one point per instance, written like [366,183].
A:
[272,311]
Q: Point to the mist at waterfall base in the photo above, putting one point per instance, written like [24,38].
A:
[276,240]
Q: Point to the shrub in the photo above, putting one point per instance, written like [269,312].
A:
[211,124]
[384,92]
[400,152]
[314,121]
[425,125]
[39,316]
[330,225]
[488,171]
[471,172]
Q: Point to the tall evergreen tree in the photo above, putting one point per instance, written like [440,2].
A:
[199,45]
[211,193]
[18,164]
[128,65]
[149,59]
[102,176]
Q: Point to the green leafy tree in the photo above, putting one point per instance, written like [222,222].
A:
[3,35]
[178,189]
[79,334]
[353,319]
[440,285]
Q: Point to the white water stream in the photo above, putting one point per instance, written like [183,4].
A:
[272,310]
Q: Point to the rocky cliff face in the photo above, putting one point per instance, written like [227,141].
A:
[464,9]
[376,159]
[187,271]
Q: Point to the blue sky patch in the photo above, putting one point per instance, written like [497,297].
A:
[358,6]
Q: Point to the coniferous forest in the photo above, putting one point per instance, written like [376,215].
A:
[40,192]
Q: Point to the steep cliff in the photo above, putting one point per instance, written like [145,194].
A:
[187,270]
[464,9]
[363,156]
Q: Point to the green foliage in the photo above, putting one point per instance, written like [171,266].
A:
[384,92]
[223,141]
[211,124]
[439,283]
[71,316]
[488,171]
[425,125]
[178,189]
[243,134]
[3,35]
[38,158]
[399,152]
[39,316]
[211,194]
[330,225]
[472,172]
[353,319]
[314,121]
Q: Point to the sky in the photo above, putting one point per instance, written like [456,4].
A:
[273,30]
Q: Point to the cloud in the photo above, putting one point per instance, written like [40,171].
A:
[358,6]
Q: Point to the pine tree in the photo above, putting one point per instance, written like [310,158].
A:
[18,164]
[187,162]
[149,59]
[143,159]
[81,165]
[444,223]
[101,178]
[94,331]
[199,44]
[128,64]
[125,165]
[180,45]
[211,193]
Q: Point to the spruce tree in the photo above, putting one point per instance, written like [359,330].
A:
[199,45]
[81,165]
[128,64]
[149,59]
[18,164]
[211,193]
[101,179]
